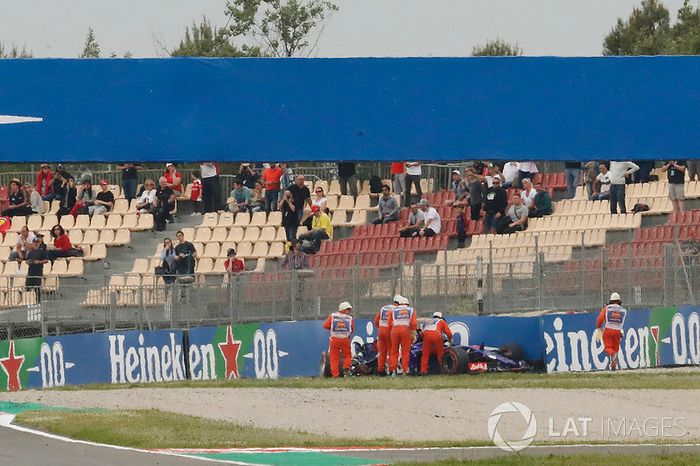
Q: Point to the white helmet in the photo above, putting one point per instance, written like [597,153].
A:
[437,314]
[404,300]
[398,298]
[344,306]
[615,297]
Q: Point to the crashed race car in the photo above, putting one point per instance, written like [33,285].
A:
[455,360]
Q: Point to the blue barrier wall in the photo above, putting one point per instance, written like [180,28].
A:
[350,109]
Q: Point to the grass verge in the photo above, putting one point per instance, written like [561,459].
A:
[574,460]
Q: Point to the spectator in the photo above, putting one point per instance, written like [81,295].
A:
[320,201]
[62,246]
[676,182]
[645,168]
[232,264]
[163,204]
[398,174]
[271,176]
[296,259]
[130,179]
[618,174]
[495,206]
[240,198]
[572,171]
[413,175]
[461,225]
[257,202]
[44,181]
[196,194]
[493,173]
[166,269]
[415,222]
[542,205]
[173,178]
[24,239]
[433,223]
[59,185]
[36,203]
[85,198]
[211,187]
[476,193]
[601,186]
[144,204]
[527,170]
[459,187]
[104,201]
[510,174]
[528,193]
[301,195]
[347,176]
[321,229]
[36,258]
[388,207]
[589,176]
[247,176]
[69,198]
[693,169]
[287,178]
[185,255]
[290,220]
[19,204]
[516,218]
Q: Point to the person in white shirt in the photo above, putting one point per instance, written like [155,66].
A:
[143,204]
[527,170]
[493,173]
[601,186]
[24,239]
[433,224]
[618,173]
[510,173]
[528,193]
[413,174]
[211,187]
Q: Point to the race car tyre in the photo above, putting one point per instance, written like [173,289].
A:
[455,361]
[325,365]
[513,351]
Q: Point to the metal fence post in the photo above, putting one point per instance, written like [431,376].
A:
[479,285]
[582,282]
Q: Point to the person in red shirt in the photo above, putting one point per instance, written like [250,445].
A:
[232,264]
[173,177]
[433,329]
[44,180]
[271,177]
[381,323]
[403,324]
[611,321]
[398,172]
[62,246]
[196,195]
[341,326]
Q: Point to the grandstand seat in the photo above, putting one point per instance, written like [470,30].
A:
[97,222]
[251,234]
[130,221]
[226,219]
[140,267]
[242,219]
[146,222]
[274,218]
[114,221]
[187,194]
[212,250]
[210,220]
[58,268]
[260,249]
[82,222]
[76,268]
[245,250]
[235,235]
[334,188]
[202,235]
[34,222]
[332,202]
[346,203]
[276,250]
[219,266]
[76,236]
[268,234]
[121,207]
[340,218]
[258,219]
[205,266]
[281,235]
[359,217]
[362,202]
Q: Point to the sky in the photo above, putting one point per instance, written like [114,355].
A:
[377,28]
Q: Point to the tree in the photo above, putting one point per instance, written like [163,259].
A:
[686,31]
[646,32]
[205,40]
[497,48]
[282,28]
[91,48]
[14,52]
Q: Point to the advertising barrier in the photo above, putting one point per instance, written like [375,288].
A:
[566,342]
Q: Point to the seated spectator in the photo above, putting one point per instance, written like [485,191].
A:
[104,201]
[242,197]
[432,222]
[290,220]
[258,197]
[36,203]
[388,207]
[36,258]
[163,204]
[295,259]
[528,193]
[144,203]
[44,181]
[59,186]
[321,229]
[461,225]
[601,185]
[516,218]
[24,239]
[69,198]
[321,201]
[62,246]
[459,187]
[232,264]
[510,174]
[19,204]
[543,203]
[85,198]
[173,178]
[166,269]
[495,206]
[185,255]
[415,222]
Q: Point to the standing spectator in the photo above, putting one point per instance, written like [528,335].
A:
[676,182]
[232,264]
[185,255]
[347,176]
[19,204]
[241,196]
[433,223]
[542,205]
[211,187]
[589,177]
[296,259]
[287,178]
[104,201]
[413,175]
[510,174]
[173,178]
[247,176]
[493,172]
[290,220]
[85,198]
[461,225]
[44,181]
[398,173]
[601,186]
[495,206]
[572,171]
[196,194]
[36,203]
[618,174]
[527,170]
[145,202]
[271,176]
[163,204]
[415,222]
[167,262]
[69,198]
[24,239]
[459,187]
[301,196]
[693,169]
[36,258]
[130,179]
[321,229]
[476,193]
[388,207]
[62,246]
[645,168]
[516,218]
[528,193]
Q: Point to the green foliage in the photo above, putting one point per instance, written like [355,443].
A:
[14,52]
[497,48]
[92,47]
[206,40]
[283,28]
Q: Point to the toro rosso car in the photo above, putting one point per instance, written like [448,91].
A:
[455,360]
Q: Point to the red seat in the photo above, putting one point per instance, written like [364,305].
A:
[694,217]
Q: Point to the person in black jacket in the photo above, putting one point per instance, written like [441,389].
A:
[347,176]
[496,201]
[68,201]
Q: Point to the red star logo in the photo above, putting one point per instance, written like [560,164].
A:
[229,350]
[11,365]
